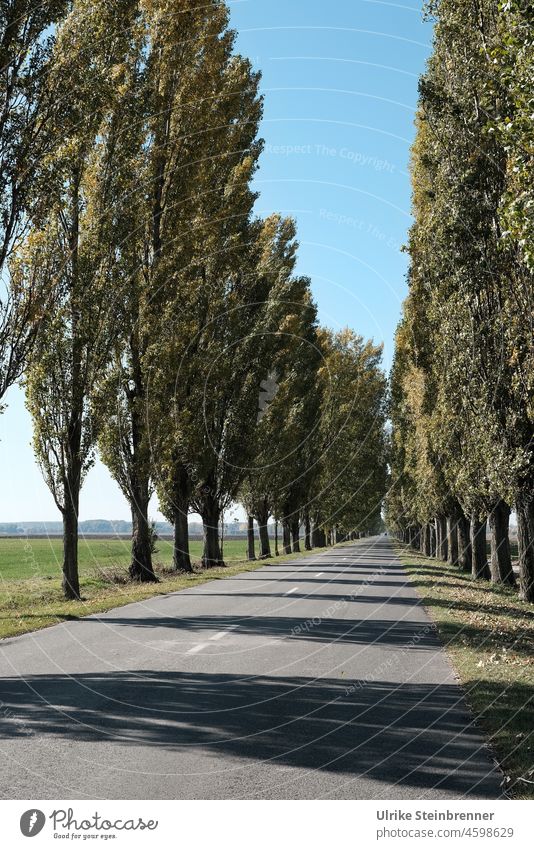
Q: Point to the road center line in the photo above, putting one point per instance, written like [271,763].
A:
[196,649]
[224,633]
[294,590]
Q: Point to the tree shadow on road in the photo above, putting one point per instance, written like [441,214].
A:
[322,628]
[413,735]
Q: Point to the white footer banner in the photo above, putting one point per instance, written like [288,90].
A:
[267,824]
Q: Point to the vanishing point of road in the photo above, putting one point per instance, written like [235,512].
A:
[318,678]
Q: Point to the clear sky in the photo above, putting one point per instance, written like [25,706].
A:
[340,84]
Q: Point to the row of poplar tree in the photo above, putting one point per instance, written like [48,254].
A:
[462,394]
[147,304]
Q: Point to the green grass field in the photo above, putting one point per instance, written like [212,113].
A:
[27,557]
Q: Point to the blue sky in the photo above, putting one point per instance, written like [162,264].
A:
[340,84]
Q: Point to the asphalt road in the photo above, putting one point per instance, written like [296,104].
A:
[318,678]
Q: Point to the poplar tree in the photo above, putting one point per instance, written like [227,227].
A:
[70,246]
[353,479]
[27,122]
[511,85]
[192,286]
[284,467]
[471,279]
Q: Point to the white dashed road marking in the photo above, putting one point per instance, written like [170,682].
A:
[224,633]
[198,648]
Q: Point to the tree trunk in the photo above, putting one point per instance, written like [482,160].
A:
[452,540]
[307,533]
[276,551]
[71,581]
[71,466]
[525,542]
[443,548]
[464,543]
[432,527]
[428,540]
[501,558]
[318,537]
[141,568]
[479,555]
[263,520]
[180,556]
[295,533]
[251,550]
[265,543]
[211,514]
[286,535]
[422,539]
[182,487]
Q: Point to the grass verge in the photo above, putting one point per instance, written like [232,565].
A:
[34,603]
[489,636]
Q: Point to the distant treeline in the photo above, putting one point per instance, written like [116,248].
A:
[104,527]
[92,526]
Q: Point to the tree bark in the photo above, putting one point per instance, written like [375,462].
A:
[251,550]
[265,543]
[464,543]
[428,540]
[432,527]
[141,567]
[501,558]
[211,514]
[452,540]
[479,555]
[286,535]
[525,542]
[422,539]
[262,517]
[318,537]
[307,533]
[295,534]
[276,551]
[180,556]
[181,501]
[443,548]
[71,581]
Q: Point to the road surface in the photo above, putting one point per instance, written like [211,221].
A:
[320,678]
